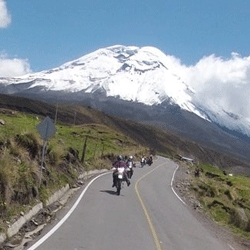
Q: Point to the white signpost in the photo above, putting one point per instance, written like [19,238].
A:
[46,129]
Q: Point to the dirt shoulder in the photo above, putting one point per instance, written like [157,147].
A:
[182,180]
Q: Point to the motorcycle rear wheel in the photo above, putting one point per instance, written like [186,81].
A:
[119,186]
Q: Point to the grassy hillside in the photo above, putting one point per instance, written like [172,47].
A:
[71,151]
[221,195]
[161,141]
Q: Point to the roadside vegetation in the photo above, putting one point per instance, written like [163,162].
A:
[73,150]
[223,196]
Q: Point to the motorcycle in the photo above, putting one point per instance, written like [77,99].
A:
[150,161]
[129,169]
[119,178]
[143,162]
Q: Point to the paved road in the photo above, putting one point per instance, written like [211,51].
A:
[146,216]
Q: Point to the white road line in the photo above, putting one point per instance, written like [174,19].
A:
[180,197]
[173,188]
[46,236]
[230,246]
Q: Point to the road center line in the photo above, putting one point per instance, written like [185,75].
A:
[152,229]
[156,239]
[59,224]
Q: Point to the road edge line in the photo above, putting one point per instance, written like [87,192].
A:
[66,216]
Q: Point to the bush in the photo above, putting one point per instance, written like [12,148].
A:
[239,219]
[30,142]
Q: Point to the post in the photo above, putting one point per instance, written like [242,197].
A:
[42,161]
[84,149]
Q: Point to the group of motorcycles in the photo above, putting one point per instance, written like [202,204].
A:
[146,160]
[123,170]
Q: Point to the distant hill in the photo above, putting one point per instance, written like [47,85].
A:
[162,142]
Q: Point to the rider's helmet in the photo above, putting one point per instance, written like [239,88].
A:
[119,157]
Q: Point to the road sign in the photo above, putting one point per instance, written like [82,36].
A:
[46,128]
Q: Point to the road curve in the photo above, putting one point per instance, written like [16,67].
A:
[147,215]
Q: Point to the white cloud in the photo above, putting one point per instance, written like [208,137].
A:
[13,67]
[5,17]
[10,67]
[218,82]
[223,82]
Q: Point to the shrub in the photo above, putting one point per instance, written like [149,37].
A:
[30,142]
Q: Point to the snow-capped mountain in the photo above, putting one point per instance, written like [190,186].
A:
[133,74]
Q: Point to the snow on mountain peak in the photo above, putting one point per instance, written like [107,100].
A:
[132,73]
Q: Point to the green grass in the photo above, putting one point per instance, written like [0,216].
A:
[101,139]
[225,198]
[20,155]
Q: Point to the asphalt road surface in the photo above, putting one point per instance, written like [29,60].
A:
[147,215]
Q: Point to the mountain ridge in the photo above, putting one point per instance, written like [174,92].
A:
[161,141]
[145,75]
[137,84]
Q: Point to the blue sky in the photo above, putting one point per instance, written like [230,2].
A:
[207,42]
[38,35]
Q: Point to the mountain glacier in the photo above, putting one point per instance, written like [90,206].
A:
[140,75]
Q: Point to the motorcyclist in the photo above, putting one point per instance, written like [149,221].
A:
[130,166]
[143,161]
[118,164]
[150,160]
